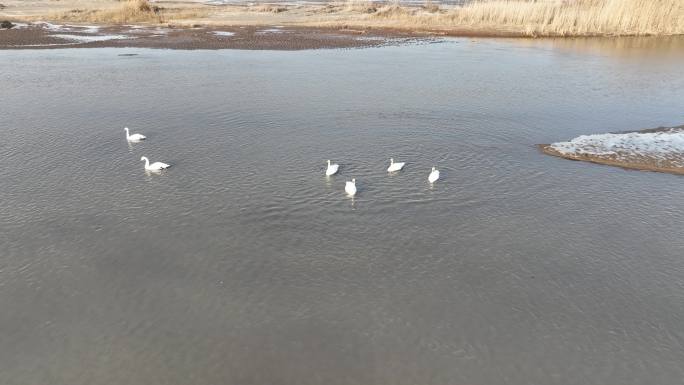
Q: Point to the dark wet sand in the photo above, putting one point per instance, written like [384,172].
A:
[631,165]
[247,38]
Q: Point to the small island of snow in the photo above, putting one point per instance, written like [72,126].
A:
[660,149]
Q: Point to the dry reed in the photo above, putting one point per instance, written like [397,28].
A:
[361,6]
[130,11]
[493,17]
[268,8]
[553,17]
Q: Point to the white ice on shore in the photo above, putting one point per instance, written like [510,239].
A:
[667,144]
[87,28]
[276,29]
[141,29]
[51,27]
[223,33]
[16,26]
[67,27]
[87,39]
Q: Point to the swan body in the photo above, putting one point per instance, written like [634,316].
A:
[395,166]
[332,168]
[134,137]
[434,175]
[350,187]
[156,166]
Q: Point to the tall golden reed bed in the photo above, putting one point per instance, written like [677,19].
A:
[493,17]
[546,17]
[575,17]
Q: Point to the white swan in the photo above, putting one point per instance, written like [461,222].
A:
[350,187]
[434,175]
[134,137]
[156,166]
[332,168]
[395,166]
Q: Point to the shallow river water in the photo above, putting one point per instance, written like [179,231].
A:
[243,264]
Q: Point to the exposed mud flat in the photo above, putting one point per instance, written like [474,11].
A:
[659,149]
[47,35]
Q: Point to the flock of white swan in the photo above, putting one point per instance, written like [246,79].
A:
[349,188]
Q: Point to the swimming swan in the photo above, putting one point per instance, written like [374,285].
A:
[395,166]
[350,187]
[434,175]
[332,169]
[156,166]
[134,137]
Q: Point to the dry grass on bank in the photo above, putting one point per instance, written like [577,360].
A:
[360,6]
[130,11]
[267,8]
[576,17]
[488,17]
[531,17]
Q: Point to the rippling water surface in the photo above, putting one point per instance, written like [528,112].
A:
[243,264]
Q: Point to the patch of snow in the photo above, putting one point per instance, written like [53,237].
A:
[52,27]
[44,45]
[67,27]
[87,28]
[88,39]
[16,26]
[367,38]
[660,145]
[223,33]
[270,30]
[142,30]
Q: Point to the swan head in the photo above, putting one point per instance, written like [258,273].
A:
[391,160]
[354,180]
[126,129]
[433,168]
[143,158]
[328,162]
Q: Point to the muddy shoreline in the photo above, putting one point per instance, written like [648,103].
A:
[51,36]
[636,166]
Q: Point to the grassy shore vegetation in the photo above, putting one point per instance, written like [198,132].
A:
[545,17]
[129,11]
[486,17]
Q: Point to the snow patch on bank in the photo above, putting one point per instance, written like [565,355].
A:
[270,30]
[223,33]
[16,26]
[667,144]
[67,27]
[86,28]
[88,39]
[51,27]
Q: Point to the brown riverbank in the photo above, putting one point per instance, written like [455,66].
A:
[659,150]
[53,36]
[489,18]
